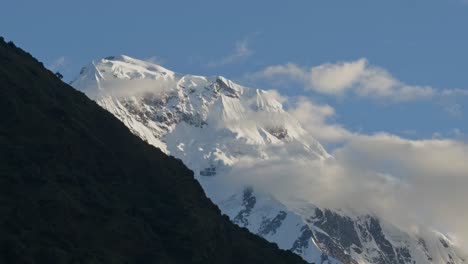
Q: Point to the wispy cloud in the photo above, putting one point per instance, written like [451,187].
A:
[156,60]
[58,63]
[241,52]
[454,110]
[454,92]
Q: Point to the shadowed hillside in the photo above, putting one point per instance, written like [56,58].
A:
[77,187]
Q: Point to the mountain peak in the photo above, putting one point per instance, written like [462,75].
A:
[93,76]
[162,99]
[124,60]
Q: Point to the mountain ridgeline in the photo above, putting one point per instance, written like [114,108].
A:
[230,135]
[77,187]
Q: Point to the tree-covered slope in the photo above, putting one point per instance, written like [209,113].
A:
[77,187]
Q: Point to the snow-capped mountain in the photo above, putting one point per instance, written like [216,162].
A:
[212,125]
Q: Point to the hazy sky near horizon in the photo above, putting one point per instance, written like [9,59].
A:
[296,47]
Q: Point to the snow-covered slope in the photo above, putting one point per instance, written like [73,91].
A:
[213,124]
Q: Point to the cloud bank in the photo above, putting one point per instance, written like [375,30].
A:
[413,184]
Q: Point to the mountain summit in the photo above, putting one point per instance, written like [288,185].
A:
[216,127]
[152,101]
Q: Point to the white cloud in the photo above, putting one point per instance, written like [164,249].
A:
[289,70]
[241,52]
[57,64]
[378,83]
[336,78]
[358,77]
[314,118]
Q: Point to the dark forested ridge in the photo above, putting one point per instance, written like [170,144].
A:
[77,187]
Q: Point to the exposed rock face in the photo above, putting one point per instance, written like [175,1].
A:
[269,226]
[248,203]
[303,240]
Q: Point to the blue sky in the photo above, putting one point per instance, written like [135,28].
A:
[417,42]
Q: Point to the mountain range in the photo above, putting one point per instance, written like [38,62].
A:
[220,129]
